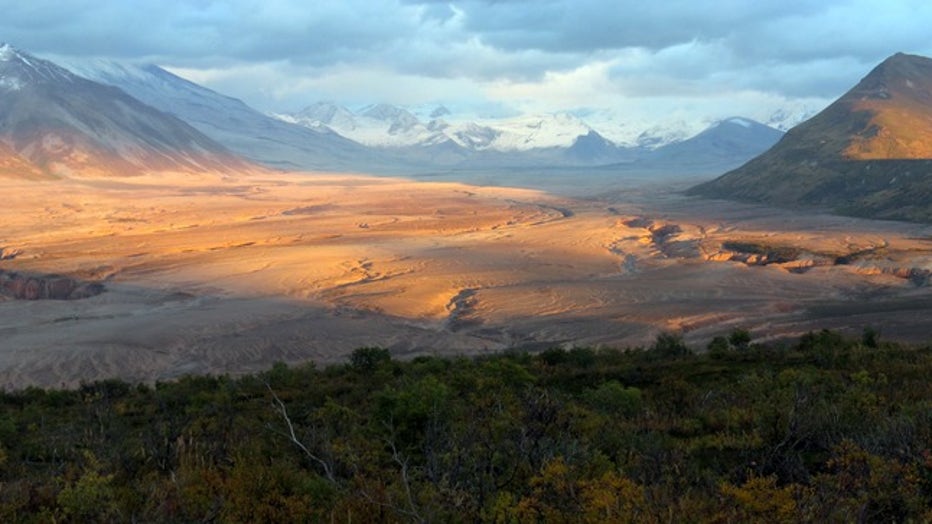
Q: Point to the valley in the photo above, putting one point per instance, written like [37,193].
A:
[184,232]
[206,273]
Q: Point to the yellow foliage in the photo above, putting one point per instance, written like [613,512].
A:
[553,495]
[612,498]
[760,499]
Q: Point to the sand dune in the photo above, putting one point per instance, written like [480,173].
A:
[229,274]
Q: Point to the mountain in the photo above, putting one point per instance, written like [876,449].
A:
[382,138]
[529,132]
[594,149]
[470,135]
[539,140]
[724,145]
[869,153]
[242,129]
[380,125]
[54,123]
[384,125]
[326,113]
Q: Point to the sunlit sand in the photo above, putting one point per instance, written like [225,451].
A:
[230,274]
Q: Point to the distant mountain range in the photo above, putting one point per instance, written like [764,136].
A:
[54,123]
[551,139]
[384,138]
[384,125]
[869,153]
[391,126]
[112,118]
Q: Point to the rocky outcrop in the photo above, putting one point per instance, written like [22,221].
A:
[919,277]
[671,240]
[792,260]
[45,287]
[796,260]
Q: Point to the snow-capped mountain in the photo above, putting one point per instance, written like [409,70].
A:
[61,124]
[384,125]
[549,139]
[634,131]
[656,136]
[536,131]
[470,135]
[380,125]
[324,114]
[789,117]
[386,138]
[229,121]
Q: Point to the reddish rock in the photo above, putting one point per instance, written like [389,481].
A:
[54,287]
[32,290]
[15,286]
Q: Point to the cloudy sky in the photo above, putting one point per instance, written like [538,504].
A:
[642,59]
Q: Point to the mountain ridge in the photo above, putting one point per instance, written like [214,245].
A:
[869,153]
[61,124]
[227,120]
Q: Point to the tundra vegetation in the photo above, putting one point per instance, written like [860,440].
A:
[824,429]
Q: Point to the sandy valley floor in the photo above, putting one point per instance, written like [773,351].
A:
[211,274]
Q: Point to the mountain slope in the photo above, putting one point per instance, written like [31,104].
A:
[869,153]
[724,145]
[14,166]
[58,124]
[242,129]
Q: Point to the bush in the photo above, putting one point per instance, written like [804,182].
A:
[368,359]
[669,345]
[718,347]
[740,339]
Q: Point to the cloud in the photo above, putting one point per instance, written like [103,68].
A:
[565,53]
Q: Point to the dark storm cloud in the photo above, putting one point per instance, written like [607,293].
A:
[794,47]
[587,25]
[204,30]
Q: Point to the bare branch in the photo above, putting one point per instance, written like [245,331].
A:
[291,435]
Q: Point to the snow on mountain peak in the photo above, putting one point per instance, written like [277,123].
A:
[323,112]
[380,125]
[743,122]
[400,118]
[536,131]
[385,125]
[786,118]
[18,69]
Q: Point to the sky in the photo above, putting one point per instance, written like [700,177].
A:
[642,60]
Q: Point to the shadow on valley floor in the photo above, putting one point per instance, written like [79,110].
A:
[230,275]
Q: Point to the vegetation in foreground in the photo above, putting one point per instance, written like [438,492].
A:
[827,429]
